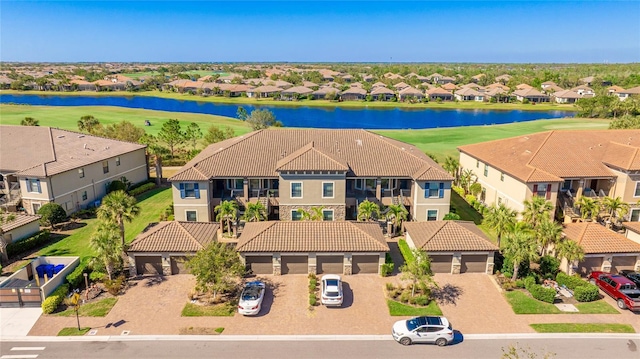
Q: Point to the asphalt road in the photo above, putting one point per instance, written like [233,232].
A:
[583,348]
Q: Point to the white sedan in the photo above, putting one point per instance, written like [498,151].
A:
[331,290]
[251,298]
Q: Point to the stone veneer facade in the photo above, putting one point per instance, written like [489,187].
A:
[338,211]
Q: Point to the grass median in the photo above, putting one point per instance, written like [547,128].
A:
[397,309]
[521,303]
[95,309]
[582,328]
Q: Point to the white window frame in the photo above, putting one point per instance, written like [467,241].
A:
[118,161]
[359,183]
[427,214]
[84,196]
[635,193]
[333,218]
[437,189]
[186,190]
[31,183]
[291,189]
[543,191]
[81,172]
[296,212]
[631,214]
[231,183]
[105,169]
[333,190]
[486,170]
[502,176]
[186,215]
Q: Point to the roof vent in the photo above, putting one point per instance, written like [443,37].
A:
[106,148]
[61,136]
[85,146]
[359,142]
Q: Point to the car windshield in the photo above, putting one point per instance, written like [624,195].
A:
[251,293]
[332,282]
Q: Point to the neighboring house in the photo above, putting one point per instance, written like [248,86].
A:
[559,166]
[291,169]
[378,84]
[400,85]
[469,94]
[624,94]
[69,168]
[321,93]
[23,226]
[546,84]
[347,78]
[439,93]
[410,92]
[497,85]
[454,247]
[309,84]
[382,94]
[498,93]
[164,247]
[566,96]
[82,85]
[587,80]
[295,93]
[353,94]
[531,95]
[552,88]
[265,91]
[445,80]
[584,91]
[477,77]
[392,76]
[449,86]
[340,247]
[523,87]
[503,79]
[614,90]
[605,250]
[230,90]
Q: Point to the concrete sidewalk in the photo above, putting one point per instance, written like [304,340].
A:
[17,322]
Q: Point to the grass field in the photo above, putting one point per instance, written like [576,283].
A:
[67,332]
[397,309]
[582,328]
[523,304]
[96,309]
[217,310]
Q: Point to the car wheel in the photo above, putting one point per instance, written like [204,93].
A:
[592,281]
[405,341]
[441,342]
[621,304]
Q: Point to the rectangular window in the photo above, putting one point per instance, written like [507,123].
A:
[566,185]
[359,183]
[434,190]
[327,215]
[540,189]
[502,176]
[371,184]
[295,215]
[189,190]
[635,215]
[105,166]
[237,183]
[192,216]
[117,161]
[36,207]
[34,185]
[486,170]
[327,189]
[81,172]
[84,195]
[477,164]
[296,189]
[637,191]
[432,215]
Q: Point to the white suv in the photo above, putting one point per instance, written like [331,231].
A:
[430,329]
[331,290]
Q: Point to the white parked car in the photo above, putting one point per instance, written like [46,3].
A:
[251,298]
[430,329]
[331,290]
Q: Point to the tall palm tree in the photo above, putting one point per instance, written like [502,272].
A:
[255,212]
[227,211]
[119,207]
[29,121]
[547,233]
[500,218]
[589,208]
[315,213]
[616,207]
[368,211]
[88,123]
[535,210]
[519,246]
[304,215]
[396,213]
[107,246]
[158,151]
[570,250]
[466,179]
[452,165]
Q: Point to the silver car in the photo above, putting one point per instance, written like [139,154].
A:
[331,290]
[430,329]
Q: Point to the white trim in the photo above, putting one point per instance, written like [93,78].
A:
[295,211]
[433,204]
[333,189]
[635,190]
[332,214]
[186,218]
[291,189]
[361,180]
[190,205]
[427,214]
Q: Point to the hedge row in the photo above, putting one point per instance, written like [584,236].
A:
[570,281]
[539,292]
[75,278]
[142,189]
[586,293]
[55,299]
[27,244]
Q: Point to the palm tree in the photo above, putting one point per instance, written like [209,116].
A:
[29,121]
[451,165]
[535,210]
[570,250]
[107,246]
[118,207]
[466,179]
[315,213]
[519,246]
[158,152]
[368,211]
[396,213]
[255,212]
[227,210]
[547,233]
[616,207]
[88,123]
[304,215]
[500,218]
[589,208]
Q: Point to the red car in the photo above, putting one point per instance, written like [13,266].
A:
[624,291]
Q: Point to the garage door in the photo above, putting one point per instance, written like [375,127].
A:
[365,264]
[589,265]
[622,263]
[476,263]
[178,264]
[260,264]
[441,264]
[149,264]
[294,265]
[330,264]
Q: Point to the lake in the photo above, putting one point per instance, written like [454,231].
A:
[317,117]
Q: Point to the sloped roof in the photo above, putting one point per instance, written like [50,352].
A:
[19,221]
[354,90]
[438,91]
[312,236]
[567,94]
[448,236]
[175,236]
[410,91]
[311,159]
[595,238]
[298,89]
[267,88]
[382,91]
[529,92]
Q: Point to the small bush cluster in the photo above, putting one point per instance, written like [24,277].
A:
[28,244]
[403,295]
[459,190]
[84,213]
[55,299]
[586,293]
[570,281]
[539,292]
[97,276]
[116,185]
[313,286]
[75,278]
[387,267]
[114,286]
[549,266]
[142,189]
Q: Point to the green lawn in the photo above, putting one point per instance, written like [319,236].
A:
[464,209]
[405,250]
[582,328]
[218,310]
[152,204]
[67,117]
[96,309]
[66,332]
[521,303]
[397,309]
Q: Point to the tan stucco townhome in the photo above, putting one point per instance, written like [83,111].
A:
[291,169]
[43,164]
[560,166]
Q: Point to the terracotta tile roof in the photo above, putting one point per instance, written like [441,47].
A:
[326,89]
[311,159]
[632,226]
[523,156]
[400,86]
[524,87]
[174,236]
[380,90]
[311,236]
[449,86]
[410,91]
[498,85]
[44,151]
[529,92]
[19,221]
[298,89]
[448,236]
[567,94]
[258,153]
[467,91]
[615,89]
[438,91]
[355,91]
[631,91]
[267,89]
[595,238]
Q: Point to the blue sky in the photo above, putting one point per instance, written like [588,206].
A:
[321,31]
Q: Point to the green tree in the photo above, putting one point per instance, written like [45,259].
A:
[255,212]
[118,207]
[589,208]
[417,271]
[192,134]
[519,246]
[52,214]
[396,214]
[157,151]
[368,211]
[29,121]
[616,207]
[108,248]
[171,133]
[466,179]
[217,268]
[569,250]
[122,131]
[89,124]
[242,114]
[261,119]
[226,211]
[304,215]
[500,219]
[535,210]
[547,233]
[452,166]
[216,134]
[315,213]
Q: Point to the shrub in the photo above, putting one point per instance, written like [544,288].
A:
[570,281]
[116,185]
[549,266]
[458,190]
[470,199]
[508,285]
[51,214]
[519,283]
[507,268]
[114,286]
[586,293]
[84,213]
[541,293]
[312,299]
[529,281]
[55,299]
[142,189]
[390,287]
[97,276]
[28,244]
[75,278]
[312,287]
[404,296]
[421,300]
[386,269]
